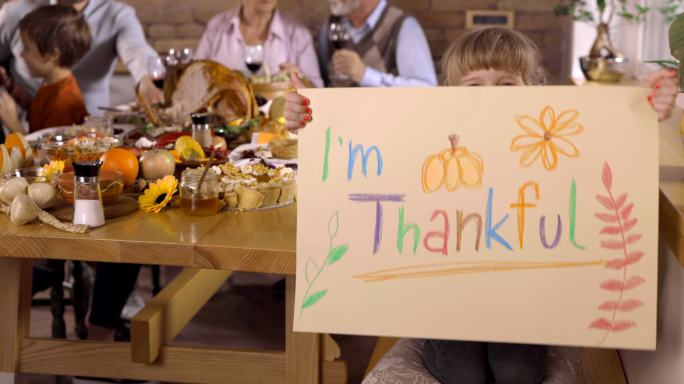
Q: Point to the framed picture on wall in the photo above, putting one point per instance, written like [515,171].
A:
[482,18]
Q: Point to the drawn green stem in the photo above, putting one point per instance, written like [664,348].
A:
[313,281]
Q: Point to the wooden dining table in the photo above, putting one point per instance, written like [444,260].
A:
[262,241]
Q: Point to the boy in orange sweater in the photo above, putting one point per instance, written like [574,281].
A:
[55,38]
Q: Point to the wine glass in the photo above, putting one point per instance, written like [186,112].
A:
[157,71]
[184,55]
[254,57]
[340,38]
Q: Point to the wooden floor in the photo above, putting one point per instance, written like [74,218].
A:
[247,314]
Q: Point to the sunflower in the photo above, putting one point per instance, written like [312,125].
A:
[547,137]
[53,169]
[158,195]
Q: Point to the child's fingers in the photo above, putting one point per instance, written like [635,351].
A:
[663,109]
[295,120]
[296,103]
[661,75]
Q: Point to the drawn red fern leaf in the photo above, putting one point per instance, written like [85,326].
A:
[620,224]
[609,305]
[632,258]
[612,326]
[622,325]
[605,201]
[625,306]
[612,285]
[630,305]
[633,239]
[629,224]
[617,285]
[612,244]
[607,176]
[606,217]
[611,230]
[634,282]
[601,323]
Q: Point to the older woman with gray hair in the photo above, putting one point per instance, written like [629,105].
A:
[256,27]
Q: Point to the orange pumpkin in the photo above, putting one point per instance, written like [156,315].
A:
[24,158]
[453,168]
[16,140]
[124,161]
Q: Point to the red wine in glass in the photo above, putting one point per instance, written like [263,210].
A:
[254,67]
[157,71]
[158,82]
[254,57]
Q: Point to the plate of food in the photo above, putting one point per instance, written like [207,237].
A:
[277,152]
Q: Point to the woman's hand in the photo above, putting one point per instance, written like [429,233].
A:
[664,84]
[297,111]
[8,112]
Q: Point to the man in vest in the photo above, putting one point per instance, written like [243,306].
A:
[388,48]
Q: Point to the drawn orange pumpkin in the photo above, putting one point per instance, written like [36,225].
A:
[453,168]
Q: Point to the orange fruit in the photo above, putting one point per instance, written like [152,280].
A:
[16,140]
[122,160]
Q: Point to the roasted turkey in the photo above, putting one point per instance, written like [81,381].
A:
[207,85]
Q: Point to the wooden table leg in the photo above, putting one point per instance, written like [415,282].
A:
[15,316]
[302,350]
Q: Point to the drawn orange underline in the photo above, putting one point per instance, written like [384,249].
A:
[467,267]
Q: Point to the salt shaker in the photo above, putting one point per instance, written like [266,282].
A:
[201,129]
[87,196]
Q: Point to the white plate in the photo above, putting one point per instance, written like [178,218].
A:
[36,136]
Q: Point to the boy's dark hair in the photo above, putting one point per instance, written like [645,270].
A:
[58,28]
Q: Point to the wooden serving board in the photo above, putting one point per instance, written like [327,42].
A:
[123,206]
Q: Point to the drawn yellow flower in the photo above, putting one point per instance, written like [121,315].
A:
[158,195]
[547,137]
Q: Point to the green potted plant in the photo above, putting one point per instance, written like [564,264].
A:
[604,62]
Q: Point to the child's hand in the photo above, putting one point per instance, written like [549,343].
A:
[150,91]
[664,92]
[8,112]
[297,111]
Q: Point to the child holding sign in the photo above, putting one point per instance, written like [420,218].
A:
[662,97]
[492,57]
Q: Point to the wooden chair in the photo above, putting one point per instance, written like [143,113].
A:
[79,296]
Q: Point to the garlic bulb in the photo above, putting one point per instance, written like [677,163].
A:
[28,157]
[17,158]
[23,210]
[12,188]
[43,194]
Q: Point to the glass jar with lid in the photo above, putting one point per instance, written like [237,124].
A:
[202,201]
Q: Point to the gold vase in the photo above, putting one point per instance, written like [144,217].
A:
[604,63]
[603,46]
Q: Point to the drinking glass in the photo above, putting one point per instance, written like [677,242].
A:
[340,38]
[254,57]
[157,71]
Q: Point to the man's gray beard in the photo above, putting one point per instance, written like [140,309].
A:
[338,8]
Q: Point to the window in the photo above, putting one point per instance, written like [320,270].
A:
[654,34]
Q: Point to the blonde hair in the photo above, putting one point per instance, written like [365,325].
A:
[493,48]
